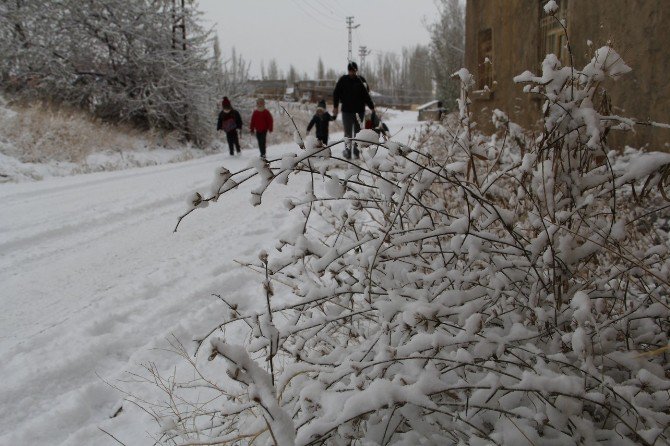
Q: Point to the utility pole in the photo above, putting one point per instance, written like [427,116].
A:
[183,25]
[362,52]
[178,22]
[350,27]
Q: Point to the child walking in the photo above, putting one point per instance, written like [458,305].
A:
[321,120]
[373,122]
[230,121]
[261,124]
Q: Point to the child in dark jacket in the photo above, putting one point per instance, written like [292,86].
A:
[230,122]
[261,123]
[321,120]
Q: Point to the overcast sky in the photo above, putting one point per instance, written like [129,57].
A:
[299,31]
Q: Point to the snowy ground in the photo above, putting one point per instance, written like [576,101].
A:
[93,279]
[13,170]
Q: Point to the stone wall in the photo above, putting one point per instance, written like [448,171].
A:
[639,30]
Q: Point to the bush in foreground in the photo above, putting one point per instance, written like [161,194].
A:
[460,291]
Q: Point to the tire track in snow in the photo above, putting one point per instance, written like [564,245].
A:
[130,319]
[44,189]
[40,239]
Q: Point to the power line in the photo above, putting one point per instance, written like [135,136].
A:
[332,11]
[342,10]
[320,12]
[312,16]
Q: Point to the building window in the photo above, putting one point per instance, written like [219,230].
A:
[485,59]
[552,35]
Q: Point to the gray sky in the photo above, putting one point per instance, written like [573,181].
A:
[299,31]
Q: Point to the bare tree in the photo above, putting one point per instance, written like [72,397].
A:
[447,48]
[320,70]
[263,71]
[273,70]
[292,75]
[406,77]
[231,75]
[331,74]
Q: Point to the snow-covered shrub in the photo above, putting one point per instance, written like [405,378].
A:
[460,292]
[39,133]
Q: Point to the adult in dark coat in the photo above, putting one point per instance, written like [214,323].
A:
[230,122]
[353,92]
[321,120]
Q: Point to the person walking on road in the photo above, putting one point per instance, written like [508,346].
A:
[230,122]
[261,124]
[321,120]
[353,92]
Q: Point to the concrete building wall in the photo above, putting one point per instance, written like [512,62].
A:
[639,30]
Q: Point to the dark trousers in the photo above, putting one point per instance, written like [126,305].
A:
[352,125]
[261,137]
[233,142]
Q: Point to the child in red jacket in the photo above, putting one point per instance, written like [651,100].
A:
[261,123]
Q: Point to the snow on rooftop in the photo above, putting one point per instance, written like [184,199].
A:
[427,105]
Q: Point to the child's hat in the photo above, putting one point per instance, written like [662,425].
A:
[226,102]
[321,104]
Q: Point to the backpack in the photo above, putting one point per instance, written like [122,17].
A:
[228,125]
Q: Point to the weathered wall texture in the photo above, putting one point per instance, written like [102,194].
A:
[639,30]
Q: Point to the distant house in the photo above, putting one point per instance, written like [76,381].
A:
[506,37]
[268,89]
[314,90]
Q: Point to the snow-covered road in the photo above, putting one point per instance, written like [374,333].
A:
[92,277]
